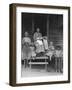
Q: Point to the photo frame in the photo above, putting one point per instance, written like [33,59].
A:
[45,56]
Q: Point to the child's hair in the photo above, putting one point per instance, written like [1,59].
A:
[58,48]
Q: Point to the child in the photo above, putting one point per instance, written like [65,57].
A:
[51,46]
[58,59]
[39,45]
[45,42]
[33,53]
[26,51]
[38,41]
[37,34]
[50,51]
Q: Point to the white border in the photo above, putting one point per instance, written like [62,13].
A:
[63,77]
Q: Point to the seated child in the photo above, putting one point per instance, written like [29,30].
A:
[33,53]
[39,45]
[58,59]
[51,46]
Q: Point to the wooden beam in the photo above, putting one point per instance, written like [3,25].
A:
[32,23]
[48,27]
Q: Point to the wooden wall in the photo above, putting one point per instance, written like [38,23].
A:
[56,29]
[50,25]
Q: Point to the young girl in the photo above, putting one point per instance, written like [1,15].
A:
[37,34]
[26,51]
[38,41]
[33,53]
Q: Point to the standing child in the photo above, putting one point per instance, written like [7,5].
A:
[59,59]
[26,51]
[51,49]
[50,54]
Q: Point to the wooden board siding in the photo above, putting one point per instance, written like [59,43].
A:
[56,29]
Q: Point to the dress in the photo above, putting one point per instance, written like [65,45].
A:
[26,51]
[50,52]
[38,42]
[58,53]
[45,42]
[39,45]
[33,54]
[37,35]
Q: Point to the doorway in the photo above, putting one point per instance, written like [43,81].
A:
[31,21]
[40,22]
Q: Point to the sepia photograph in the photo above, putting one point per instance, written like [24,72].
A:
[39,44]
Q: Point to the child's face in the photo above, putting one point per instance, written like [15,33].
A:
[26,34]
[32,48]
[38,30]
[58,48]
[51,43]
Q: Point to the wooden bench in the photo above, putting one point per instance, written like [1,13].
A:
[40,62]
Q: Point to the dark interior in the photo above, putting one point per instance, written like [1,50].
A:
[51,25]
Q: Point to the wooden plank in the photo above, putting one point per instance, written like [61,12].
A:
[38,62]
[41,58]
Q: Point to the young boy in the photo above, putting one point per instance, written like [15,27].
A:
[59,59]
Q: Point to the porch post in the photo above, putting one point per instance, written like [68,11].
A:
[32,23]
[48,27]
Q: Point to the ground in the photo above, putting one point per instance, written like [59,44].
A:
[38,70]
